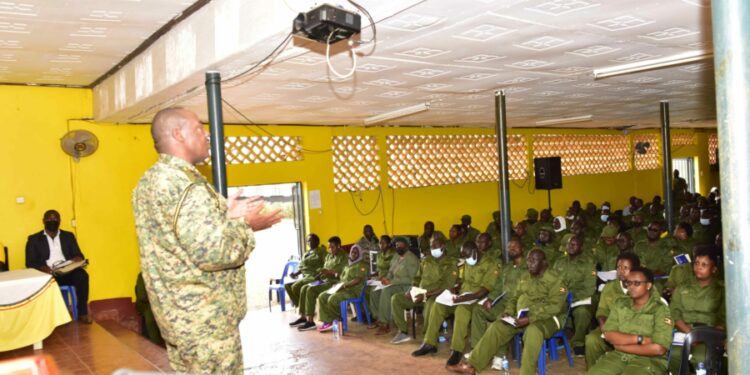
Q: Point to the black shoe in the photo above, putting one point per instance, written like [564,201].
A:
[579,351]
[424,350]
[354,319]
[455,358]
[308,326]
[297,322]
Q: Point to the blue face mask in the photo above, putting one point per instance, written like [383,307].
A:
[471,261]
[437,253]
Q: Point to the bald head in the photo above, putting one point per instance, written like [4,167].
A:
[179,132]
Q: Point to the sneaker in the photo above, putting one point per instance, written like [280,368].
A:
[424,350]
[400,338]
[325,327]
[579,351]
[497,363]
[298,322]
[308,326]
[455,358]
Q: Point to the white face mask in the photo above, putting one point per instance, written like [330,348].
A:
[471,261]
[604,218]
[705,221]
[437,253]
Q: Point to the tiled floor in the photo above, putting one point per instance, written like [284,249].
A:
[270,347]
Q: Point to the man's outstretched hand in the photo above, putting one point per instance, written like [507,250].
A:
[250,210]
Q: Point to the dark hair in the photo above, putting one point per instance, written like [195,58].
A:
[335,240]
[314,236]
[470,245]
[709,251]
[646,273]
[457,227]
[385,237]
[687,227]
[51,212]
[635,262]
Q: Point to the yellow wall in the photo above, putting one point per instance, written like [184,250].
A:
[34,167]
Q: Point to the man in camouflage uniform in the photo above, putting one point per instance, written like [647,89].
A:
[193,247]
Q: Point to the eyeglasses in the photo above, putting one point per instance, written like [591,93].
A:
[628,283]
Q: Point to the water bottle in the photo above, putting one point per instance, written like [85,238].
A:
[336,334]
[701,369]
[505,366]
[444,336]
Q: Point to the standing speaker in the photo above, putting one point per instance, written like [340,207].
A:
[547,173]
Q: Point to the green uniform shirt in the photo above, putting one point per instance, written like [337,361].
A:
[612,291]
[606,255]
[578,274]
[471,235]
[335,263]
[684,246]
[192,255]
[453,248]
[680,274]
[508,280]
[652,320]
[383,262]
[312,261]
[368,245]
[656,256]
[403,269]
[436,273]
[481,275]
[544,296]
[692,303]
[424,242]
[551,252]
[494,232]
[354,271]
[637,234]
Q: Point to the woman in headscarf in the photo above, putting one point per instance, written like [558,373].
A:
[352,281]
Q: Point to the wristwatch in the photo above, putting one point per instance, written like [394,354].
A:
[639,340]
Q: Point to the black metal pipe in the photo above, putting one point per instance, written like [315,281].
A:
[216,125]
[667,165]
[503,190]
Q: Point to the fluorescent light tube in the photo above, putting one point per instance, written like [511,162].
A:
[565,120]
[401,112]
[646,65]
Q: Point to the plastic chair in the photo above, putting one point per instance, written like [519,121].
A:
[550,345]
[277,285]
[359,304]
[414,311]
[714,340]
[70,298]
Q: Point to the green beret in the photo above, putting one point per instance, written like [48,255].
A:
[401,239]
[609,231]
[532,212]
[547,228]
[466,217]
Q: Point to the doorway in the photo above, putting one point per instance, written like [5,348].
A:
[276,245]
[686,168]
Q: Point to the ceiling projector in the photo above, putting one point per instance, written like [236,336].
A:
[327,23]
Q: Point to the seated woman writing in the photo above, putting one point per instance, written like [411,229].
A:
[698,302]
[639,328]
[352,280]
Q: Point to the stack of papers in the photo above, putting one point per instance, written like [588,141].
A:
[377,284]
[446,298]
[68,266]
[494,301]
[521,314]
[334,288]
[416,291]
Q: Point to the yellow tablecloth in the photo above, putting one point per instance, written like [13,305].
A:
[31,307]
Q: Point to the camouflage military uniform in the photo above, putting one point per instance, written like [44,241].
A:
[192,259]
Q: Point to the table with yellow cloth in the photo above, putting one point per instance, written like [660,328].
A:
[31,306]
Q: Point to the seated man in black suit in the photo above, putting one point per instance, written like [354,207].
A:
[52,246]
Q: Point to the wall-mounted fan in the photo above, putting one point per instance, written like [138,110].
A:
[79,143]
[642,147]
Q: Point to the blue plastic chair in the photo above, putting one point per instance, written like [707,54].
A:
[550,345]
[70,298]
[359,305]
[277,285]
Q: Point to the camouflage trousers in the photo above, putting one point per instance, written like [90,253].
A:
[213,352]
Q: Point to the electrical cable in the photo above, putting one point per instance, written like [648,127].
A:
[372,23]
[270,57]
[380,196]
[328,58]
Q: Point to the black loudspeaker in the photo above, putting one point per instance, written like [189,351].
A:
[547,173]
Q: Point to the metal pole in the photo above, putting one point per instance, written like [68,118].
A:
[502,151]
[216,124]
[667,165]
[731,30]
